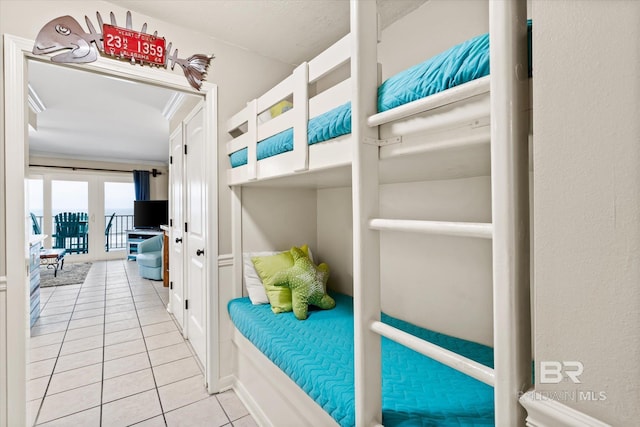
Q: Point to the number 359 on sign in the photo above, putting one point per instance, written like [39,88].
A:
[125,43]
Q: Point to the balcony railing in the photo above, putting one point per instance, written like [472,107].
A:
[117,236]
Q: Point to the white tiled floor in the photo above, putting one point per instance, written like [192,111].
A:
[107,353]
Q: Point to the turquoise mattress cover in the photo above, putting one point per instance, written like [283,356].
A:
[460,64]
[317,354]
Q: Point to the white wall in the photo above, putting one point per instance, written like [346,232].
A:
[441,283]
[278,218]
[432,28]
[335,237]
[587,199]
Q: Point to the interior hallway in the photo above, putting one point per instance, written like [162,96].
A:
[107,353]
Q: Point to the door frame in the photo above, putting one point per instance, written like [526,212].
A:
[175,225]
[17,51]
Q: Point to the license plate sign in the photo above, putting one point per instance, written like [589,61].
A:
[125,43]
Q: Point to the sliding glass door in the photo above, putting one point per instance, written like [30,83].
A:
[71,227]
[87,214]
[118,214]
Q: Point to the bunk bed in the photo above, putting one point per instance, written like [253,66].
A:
[317,355]
[447,91]
[351,132]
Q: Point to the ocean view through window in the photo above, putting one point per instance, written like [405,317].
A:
[50,197]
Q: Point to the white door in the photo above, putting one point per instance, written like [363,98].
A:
[195,231]
[176,252]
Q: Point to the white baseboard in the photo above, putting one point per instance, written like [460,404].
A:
[250,403]
[225,383]
[545,412]
[272,398]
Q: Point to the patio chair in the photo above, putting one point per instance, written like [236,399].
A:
[35,225]
[71,232]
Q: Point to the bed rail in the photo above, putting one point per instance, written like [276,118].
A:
[246,126]
[295,87]
[447,228]
[333,57]
[449,96]
[454,360]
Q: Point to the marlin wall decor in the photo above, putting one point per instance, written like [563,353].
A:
[65,32]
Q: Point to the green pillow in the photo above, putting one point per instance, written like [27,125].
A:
[268,267]
[307,282]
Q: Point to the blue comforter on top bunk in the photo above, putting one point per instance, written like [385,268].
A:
[318,355]
[331,124]
[460,64]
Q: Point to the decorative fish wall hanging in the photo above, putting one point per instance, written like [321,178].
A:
[65,32]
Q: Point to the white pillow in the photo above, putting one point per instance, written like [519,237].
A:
[252,281]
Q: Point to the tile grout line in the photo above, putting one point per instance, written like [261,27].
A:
[82,410]
[200,367]
[35,420]
[104,330]
[156,294]
[153,374]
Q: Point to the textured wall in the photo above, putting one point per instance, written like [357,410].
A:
[587,200]
[432,28]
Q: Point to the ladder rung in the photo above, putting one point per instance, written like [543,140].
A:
[464,229]
[456,361]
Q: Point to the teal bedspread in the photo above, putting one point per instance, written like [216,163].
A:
[331,124]
[318,355]
[460,64]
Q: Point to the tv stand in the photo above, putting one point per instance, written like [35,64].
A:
[134,237]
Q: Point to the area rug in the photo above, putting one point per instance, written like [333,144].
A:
[71,274]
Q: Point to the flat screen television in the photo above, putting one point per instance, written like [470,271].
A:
[150,213]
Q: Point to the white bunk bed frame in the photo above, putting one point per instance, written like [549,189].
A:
[509,230]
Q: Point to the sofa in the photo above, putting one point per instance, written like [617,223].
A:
[149,258]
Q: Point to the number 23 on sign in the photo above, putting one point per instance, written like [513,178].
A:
[127,43]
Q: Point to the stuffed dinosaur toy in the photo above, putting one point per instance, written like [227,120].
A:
[308,284]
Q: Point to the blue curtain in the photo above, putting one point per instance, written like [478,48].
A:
[141,183]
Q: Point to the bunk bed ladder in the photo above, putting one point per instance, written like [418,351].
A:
[510,207]
[508,231]
[366,242]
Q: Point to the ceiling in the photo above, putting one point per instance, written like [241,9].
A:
[110,119]
[290,31]
[98,117]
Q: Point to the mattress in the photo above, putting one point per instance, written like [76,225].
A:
[318,355]
[460,64]
[332,124]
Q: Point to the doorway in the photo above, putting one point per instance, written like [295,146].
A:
[17,53]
